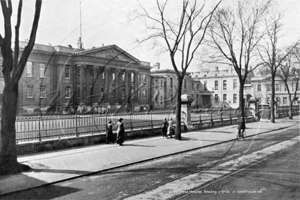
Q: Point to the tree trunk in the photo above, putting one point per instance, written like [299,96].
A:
[178,110]
[273,100]
[8,150]
[291,110]
[241,102]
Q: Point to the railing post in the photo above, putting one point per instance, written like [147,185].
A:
[40,137]
[200,121]
[230,118]
[221,116]
[151,120]
[76,126]
[131,126]
[211,118]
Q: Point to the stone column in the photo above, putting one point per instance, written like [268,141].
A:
[186,101]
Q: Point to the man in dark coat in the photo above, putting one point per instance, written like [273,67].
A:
[120,132]
[241,128]
[164,128]
[109,133]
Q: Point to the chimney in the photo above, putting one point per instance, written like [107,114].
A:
[156,65]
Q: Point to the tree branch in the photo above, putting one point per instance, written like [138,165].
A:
[18,70]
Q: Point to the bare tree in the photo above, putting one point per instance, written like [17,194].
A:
[269,54]
[13,67]
[289,73]
[234,36]
[181,37]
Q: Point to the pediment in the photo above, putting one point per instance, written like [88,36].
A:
[110,52]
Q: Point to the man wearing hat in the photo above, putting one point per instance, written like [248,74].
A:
[120,132]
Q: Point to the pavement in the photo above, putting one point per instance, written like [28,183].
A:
[57,166]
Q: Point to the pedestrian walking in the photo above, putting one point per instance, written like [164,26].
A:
[109,133]
[164,128]
[241,128]
[170,128]
[120,132]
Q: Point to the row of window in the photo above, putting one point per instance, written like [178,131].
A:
[216,84]
[225,98]
[30,92]
[42,66]
[279,102]
[278,87]
[30,66]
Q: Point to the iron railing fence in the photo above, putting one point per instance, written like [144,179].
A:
[38,128]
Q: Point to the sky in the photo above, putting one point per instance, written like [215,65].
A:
[111,22]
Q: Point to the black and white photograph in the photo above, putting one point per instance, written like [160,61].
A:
[154,100]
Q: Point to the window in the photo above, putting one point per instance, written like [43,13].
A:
[268,100]
[144,78]
[68,92]
[216,85]
[171,83]
[268,87]
[113,93]
[67,72]
[234,83]
[102,93]
[29,91]
[123,76]
[113,76]
[139,94]
[277,87]
[103,75]
[197,86]
[29,69]
[224,97]
[259,87]
[184,84]
[284,101]
[42,70]
[224,84]
[144,94]
[234,98]
[42,92]
[132,77]
[123,93]
[78,92]
[161,83]
[132,94]
[161,99]
[216,98]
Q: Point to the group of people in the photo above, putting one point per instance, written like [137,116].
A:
[120,132]
[167,128]
[167,131]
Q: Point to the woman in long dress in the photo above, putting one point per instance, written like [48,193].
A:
[120,132]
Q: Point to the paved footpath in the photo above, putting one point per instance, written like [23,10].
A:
[53,167]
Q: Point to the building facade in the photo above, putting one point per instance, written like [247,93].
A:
[261,89]
[222,85]
[164,89]
[56,77]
